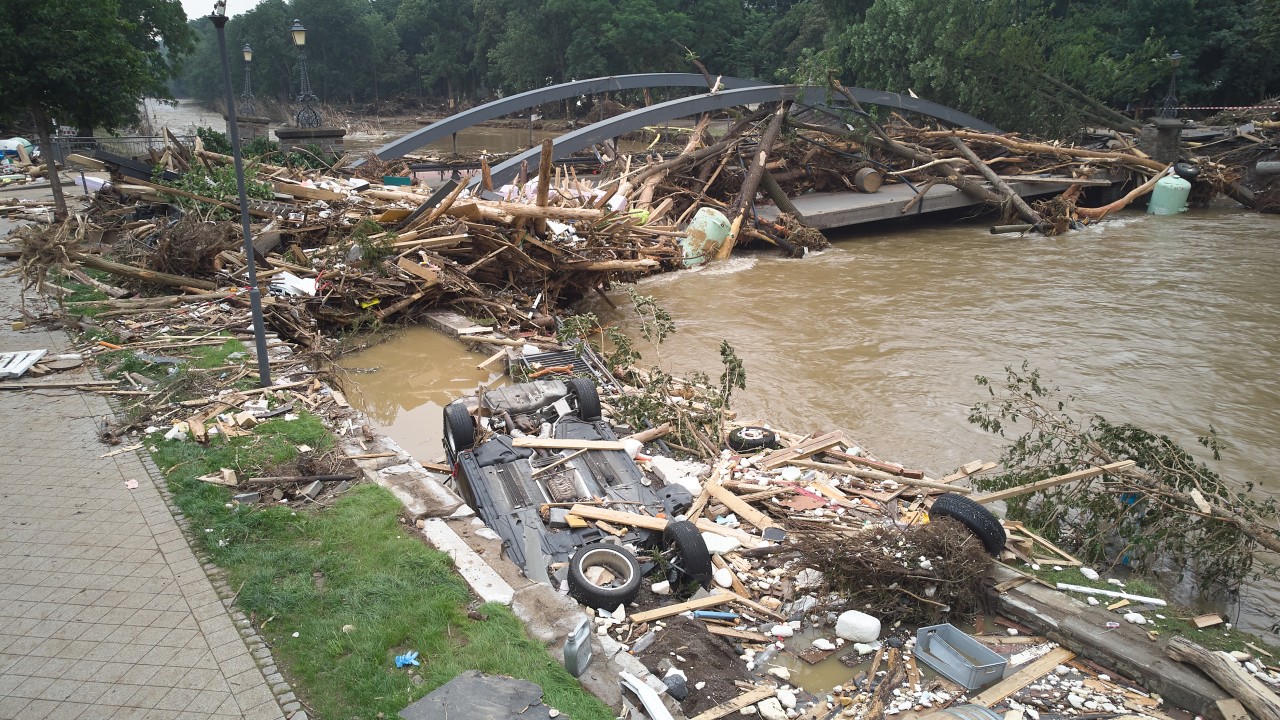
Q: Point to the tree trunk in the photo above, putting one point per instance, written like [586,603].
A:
[43,126]
[748,192]
[1024,211]
[1230,676]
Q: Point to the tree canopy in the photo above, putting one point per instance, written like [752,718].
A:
[1001,60]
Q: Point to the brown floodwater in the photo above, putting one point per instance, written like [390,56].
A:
[1166,322]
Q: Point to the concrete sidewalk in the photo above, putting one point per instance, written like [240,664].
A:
[105,613]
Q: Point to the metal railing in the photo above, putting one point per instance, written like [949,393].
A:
[136,146]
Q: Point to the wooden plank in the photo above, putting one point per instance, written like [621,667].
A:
[421,271]
[877,476]
[668,611]
[738,634]
[1231,709]
[739,506]
[1054,481]
[310,193]
[617,517]
[1027,675]
[746,538]
[567,444]
[804,449]
[736,704]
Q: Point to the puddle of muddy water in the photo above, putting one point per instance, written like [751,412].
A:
[404,384]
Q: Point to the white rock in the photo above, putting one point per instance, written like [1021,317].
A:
[1135,618]
[1240,656]
[723,577]
[1013,631]
[1091,600]
[780,672]
[1033,713]
[719,544]
[699,685]
[748,710]
[1089,573]
[661,587]
[1104,677]
[783,631]
[865,648]
[824,644]
[1115,582]
[1076,701]
[1250,666]
[620,613]
[1090,705]
[857,627]
[771,709]
[786,697]
[791,473]
[1062,670]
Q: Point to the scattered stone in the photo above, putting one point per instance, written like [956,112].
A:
[723,577]
[1135,618]
[824,644]
[786,697]
[1089,573]
[771,709]
[780,672]
[661,587]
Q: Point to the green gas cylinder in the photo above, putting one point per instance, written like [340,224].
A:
[1169,197]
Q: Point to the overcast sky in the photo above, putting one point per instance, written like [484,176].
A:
[202,8]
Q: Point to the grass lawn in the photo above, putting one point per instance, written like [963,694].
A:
[312,573]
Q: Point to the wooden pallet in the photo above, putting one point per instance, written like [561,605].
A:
[16,364]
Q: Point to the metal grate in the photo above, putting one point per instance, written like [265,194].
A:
[584,361]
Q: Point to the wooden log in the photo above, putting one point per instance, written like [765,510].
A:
[1101,212]
[1230,675]
[645,436]
[567,444]
[747,194]
[1046,149]
[879,476]
[1055,481]
[552,212]
[612,265]
[742,508]
[544,183]
[183,193]
[137,273]
[1024,210]
[286,480]
[1267,168]
[1006,229]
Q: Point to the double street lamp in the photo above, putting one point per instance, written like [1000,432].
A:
[308,116]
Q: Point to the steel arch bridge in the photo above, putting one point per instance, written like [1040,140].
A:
[732,91]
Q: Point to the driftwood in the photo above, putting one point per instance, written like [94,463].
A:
[1024,211]
[137,273]
[747,194]
[1101,212]
[1230,675]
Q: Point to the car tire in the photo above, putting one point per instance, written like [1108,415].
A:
[617,560]
[686,540]
[973,516]
[459,429]
[588,398]
[745,439]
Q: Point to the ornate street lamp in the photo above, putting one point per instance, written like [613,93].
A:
[219,19]
[307,116]
[246,98]
[1169,108]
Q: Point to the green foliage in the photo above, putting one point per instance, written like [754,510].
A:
[312,573]
[217,182]
[260,148]
[1147,518]
[214,141]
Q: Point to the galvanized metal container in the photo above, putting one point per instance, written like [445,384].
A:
[958,657]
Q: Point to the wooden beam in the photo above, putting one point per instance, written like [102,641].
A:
[1054,481]
[740,506]
[738,634]
[879,476]
[736,704]
[1023,677]
[668,611]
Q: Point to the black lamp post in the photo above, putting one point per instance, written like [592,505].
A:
[246,98]
[219,19]
[1169,108]
[307,116]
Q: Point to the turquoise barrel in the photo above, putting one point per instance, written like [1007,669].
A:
[1169,196]
[704,236]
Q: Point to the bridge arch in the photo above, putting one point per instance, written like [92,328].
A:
[572,142]
[533,98]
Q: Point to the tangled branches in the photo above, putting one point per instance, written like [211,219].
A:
[45,247]
[1171,510]
[916,574]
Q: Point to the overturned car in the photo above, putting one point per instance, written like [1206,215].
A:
[522,455]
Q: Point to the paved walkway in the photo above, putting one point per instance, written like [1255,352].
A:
[105,612]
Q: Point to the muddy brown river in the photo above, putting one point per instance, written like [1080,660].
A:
[1166,322]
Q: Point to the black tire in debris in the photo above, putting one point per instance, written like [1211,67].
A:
[459,430]
[621,565]
[974,516]
[692,557]
[745,439]
[588,398]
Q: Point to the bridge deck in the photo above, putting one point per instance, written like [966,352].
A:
[840,209]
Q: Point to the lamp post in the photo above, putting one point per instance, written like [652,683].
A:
[1169,108]
[219,19]
[307,116]
[246,98]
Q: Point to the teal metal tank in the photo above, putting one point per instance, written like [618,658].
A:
[1169,197]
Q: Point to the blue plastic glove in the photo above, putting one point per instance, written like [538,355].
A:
[409,658]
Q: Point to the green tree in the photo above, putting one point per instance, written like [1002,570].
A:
[71,59]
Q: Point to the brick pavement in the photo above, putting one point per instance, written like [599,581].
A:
[105,613]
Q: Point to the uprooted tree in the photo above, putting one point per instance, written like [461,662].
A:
[1169,511]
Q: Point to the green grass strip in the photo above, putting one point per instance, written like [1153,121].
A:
[312,572]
